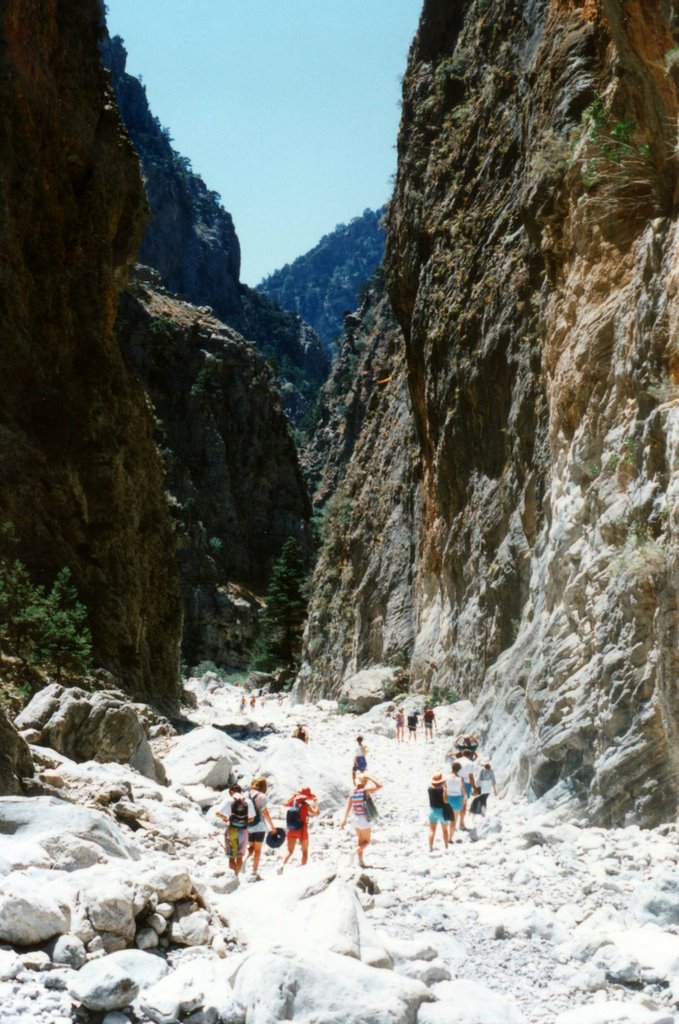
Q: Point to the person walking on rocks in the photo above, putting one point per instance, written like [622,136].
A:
[438,801]
[243,702]
[399,721]
[413,718]
[260,823]
[360,759]
[429,723]
[486,785]
[300,805]
[237,811]
[363,787]
[300,733]
[457,797]
[467,775]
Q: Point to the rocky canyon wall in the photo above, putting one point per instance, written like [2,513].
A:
[80,476]
[531,264]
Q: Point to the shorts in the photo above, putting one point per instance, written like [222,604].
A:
[412,728]
[236,842]
[361,821]
[302,834]
[456,802]
[360,764]
[436,816]
[468,788]
[256,837]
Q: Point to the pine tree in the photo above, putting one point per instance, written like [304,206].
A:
[64,638]
[21,603]
[281,622]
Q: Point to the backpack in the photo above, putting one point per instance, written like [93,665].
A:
[293,819]
[258,814]
[239,813]
[429,715]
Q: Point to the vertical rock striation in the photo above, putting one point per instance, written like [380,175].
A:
[531,264]
[531,260]
[79,474]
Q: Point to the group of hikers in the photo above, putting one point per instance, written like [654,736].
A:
[451,797]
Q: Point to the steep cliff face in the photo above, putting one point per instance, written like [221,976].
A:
[326,282]
[531,260]
[364,461]
[231,466]
[79,474]
[192,243]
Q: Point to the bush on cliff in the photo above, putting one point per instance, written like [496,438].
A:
[281,622]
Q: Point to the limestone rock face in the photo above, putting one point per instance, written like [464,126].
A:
[231,467]
[532,267]
[364,462]
[15,758]
[80,478]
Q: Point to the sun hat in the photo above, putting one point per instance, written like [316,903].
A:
[306,793]
[276,838]
[437,779]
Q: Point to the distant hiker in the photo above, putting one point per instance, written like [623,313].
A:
[412,720]
[237,811]
[429,719]
[300,733]
[257,828]
[399,721]
[242,703]
[253,702]
[438,801]
[457,798]
[359,805]
[360,758]
[300,805]
[467,775]
[486,785]
[467,742]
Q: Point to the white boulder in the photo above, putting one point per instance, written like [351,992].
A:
[31,912]
[289,765]
[114,981]
[203,757]
[322,987]
[614,1013]
[367,688]
[198,983]
[469,1001]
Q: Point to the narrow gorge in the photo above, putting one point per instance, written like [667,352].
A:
[434,461]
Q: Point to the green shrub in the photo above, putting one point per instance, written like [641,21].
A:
[442,695]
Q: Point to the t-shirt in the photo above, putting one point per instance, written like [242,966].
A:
[466,767]
[454,783]
[358,801]
[259,800]
[486,780]
[435,796]
[227,803]
[429,716]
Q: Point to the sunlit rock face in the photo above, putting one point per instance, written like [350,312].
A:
[80,477]
[530,263]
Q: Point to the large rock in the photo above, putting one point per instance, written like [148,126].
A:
[51,833]
[326,911]
[203,757]
[90,726]
[114,981]
[323,986]
[468,1001]
[202,982]
[16,762]
[367,688]
[31,911]
[289,764]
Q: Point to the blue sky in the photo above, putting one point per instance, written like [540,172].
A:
[288,108]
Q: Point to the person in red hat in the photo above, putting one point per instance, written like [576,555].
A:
[300,805]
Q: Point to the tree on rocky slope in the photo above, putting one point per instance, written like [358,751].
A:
[280,639]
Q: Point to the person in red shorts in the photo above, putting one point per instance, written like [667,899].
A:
[302,804]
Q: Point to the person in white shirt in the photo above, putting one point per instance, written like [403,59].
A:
[467,768]
[456,797]
[237,811]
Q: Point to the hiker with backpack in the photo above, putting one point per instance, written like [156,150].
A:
[457,797]
[364,812]
[300,805]
[399,722]
[440,811]
[412,720]
[260,823]
[360,759]
[429,723]
[237,811]
[486,785]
